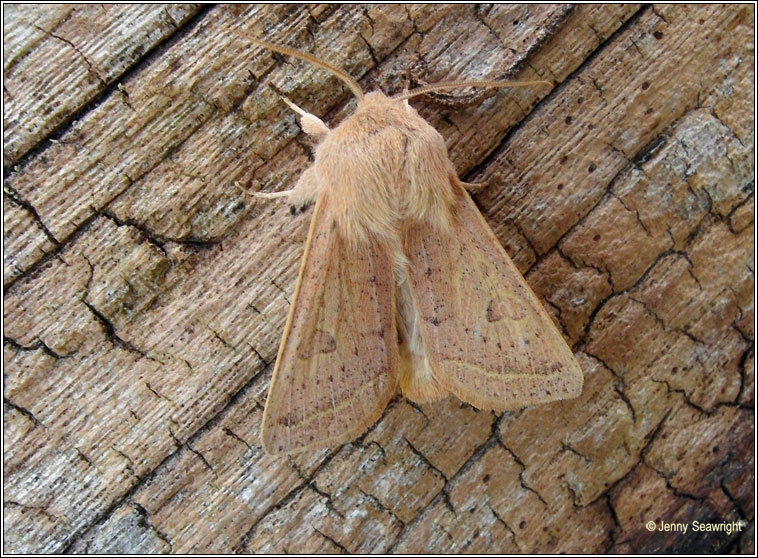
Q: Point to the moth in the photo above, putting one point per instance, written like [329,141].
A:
[402,284]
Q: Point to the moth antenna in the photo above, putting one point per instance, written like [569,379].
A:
[443,85]
[341,74]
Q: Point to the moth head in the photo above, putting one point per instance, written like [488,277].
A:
[358,92]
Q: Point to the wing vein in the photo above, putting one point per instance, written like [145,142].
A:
[458,290]
[354,314]
[496,348]
[377,310]
[429,289]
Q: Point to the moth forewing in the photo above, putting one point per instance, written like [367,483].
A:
[487,337]
[402,282]
[335,371]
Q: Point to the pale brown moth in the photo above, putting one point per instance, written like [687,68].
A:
[402,283]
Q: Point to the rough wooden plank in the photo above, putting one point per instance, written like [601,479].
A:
[59,58]
[146,293]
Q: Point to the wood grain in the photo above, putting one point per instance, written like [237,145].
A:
[145,293]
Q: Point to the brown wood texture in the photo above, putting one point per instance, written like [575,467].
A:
[145,292]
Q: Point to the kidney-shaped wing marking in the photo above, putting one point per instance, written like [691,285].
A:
[336,367]
[487,337]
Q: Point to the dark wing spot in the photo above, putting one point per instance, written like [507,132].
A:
[317,342]
[495,310]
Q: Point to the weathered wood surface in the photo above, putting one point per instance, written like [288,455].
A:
[145,293]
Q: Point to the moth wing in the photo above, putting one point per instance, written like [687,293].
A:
[488,339]
[335,370]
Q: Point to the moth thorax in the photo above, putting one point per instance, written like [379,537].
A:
[385,167]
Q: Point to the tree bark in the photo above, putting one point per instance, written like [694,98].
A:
[146,291]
